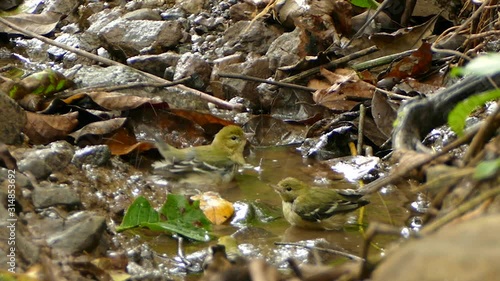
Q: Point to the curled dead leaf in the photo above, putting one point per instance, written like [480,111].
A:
[217,209]
[42,129]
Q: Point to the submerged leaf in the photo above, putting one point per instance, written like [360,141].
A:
[183,228]
[177,207]
[183,217]
[140,212]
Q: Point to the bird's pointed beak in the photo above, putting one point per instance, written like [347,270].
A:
[276,187]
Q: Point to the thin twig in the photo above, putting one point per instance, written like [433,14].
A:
[330,65]
[373,230]
[295,268]
[460,210]
[331,251]
[393,95]
[484,34]
[379,9]
[361,128]
[131,86]
[402,171]
[202,95]
[382,60]
[486,131]
[256,79]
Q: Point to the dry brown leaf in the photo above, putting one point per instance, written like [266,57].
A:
[99,129]
[120,101]
[403,39]
[37,23]
[123,143]
[42,129]
[345,92]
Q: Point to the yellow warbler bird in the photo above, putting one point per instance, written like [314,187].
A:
[315,207]
[207,164]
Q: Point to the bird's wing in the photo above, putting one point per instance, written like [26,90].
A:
[322,204]
[171,168]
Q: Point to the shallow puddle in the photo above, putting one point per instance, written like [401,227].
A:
[257,239]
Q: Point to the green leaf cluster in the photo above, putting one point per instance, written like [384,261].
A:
[457,117]
[365,3]
[182,217]
[485,65]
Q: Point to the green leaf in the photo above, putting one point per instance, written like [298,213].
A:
[183,228]
[183,217]
[456,118]
[138,213]
[365,3]
[485,65]
[178,207]
[487,169]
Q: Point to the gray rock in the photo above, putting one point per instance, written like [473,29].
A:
[192,6]
[173,14]
[95,155]
[154,64]
[91,76]
[83,236]
[57,53]
[193,65]
[97,76]
[142,14]
[12,118]
[256,39]
[133,37]
[462,252]
[253,66]
[27,248]
[62,7]
[21,179]
[52,196]
[42,162]
[284,50]
[36,166]
[9,4]
[101,19]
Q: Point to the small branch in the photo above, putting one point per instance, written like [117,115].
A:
[486,131]
[476,14]
[256,79]
[460,210]
[373,230]
[331,64]
[131,86]
[202,95]
[382,60]
[381,182]
[379,9]
[331,251]
[361,128]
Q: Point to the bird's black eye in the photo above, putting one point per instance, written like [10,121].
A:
[288,189]
[234,137]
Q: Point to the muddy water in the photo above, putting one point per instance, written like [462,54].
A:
[258,240]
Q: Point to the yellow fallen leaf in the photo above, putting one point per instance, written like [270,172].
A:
[217,209]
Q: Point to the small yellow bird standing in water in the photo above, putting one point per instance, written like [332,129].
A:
[215,163]
[315,207]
